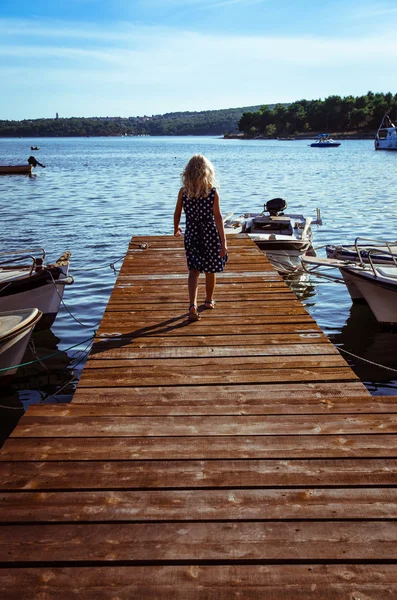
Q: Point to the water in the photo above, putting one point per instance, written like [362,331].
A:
[97,192]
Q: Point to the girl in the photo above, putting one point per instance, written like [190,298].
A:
[205,240]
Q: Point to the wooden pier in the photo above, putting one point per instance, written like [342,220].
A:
[238,457]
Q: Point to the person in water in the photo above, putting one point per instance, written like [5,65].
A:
[205,240]
[32,161]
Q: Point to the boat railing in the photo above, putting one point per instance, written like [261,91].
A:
[26,252]
[379,251]
[306,229]
[367,250]
[34,260]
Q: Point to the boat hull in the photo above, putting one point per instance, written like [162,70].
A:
[380,294]
[324,145]
[15,169]
[13,348]
[43,289]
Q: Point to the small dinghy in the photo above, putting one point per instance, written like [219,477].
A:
[284,237]
[325,141]
[374,283]
[16,169]
[33,283]
[16,327]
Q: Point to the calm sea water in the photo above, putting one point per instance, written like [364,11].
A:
[95,193]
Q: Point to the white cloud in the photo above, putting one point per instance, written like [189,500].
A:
[132,70]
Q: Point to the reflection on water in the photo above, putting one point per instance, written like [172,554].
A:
[302,286]
[49,371]
[363,336]
[51,377]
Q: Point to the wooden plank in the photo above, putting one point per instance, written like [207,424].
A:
[244,425]
[128,377]
[196,474]
[211,541]
[115,339]
[200,448]
[199,582]
[135,320]
[131,352]
[183,328]
[233,309]
[220,394]
[200,505]
[289,406]
[219,362]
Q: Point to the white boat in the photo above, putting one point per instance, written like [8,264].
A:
[386,136]
[16,328]
[283,237]
[373,282]
[33,283]
[325,141]
[381,252]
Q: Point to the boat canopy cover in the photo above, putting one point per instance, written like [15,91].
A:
[12,274]
[12,321]
[388,272]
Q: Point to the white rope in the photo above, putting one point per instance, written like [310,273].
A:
[371,362]
[66,308]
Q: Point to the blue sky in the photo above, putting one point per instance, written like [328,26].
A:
[134,57]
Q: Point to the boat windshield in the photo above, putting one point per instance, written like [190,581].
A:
[382,134]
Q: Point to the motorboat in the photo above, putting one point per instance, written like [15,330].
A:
[381,252]
[324,141]
[283,237]
[372,282]
[386,136]
[16,169]
[35,147]
[16,327]
[33,283]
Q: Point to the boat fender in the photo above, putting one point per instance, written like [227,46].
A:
[65,281]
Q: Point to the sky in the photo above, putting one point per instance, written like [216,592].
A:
[84,58]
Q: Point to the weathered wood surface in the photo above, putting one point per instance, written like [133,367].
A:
[236,457]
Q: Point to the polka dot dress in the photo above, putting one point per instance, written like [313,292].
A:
[202,241]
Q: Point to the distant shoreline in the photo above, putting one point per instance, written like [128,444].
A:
[369,135]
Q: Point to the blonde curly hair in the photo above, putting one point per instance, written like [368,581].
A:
[198,177]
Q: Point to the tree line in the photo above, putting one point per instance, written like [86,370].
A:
[334,114]
[211,122]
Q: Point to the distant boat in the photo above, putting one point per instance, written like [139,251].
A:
[386,136]
[15,169]
[324,141]
[35,147]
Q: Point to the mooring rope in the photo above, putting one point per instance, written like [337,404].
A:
[371,362]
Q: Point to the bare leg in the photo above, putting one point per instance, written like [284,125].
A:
[210,281]
[193,285]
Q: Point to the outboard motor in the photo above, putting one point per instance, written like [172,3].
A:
[275,206]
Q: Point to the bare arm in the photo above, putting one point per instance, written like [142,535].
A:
[219,224]
[178,214]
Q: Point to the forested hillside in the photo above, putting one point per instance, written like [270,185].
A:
[334,114]
[210,122]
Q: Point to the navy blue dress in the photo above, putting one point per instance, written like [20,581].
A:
[202,242]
